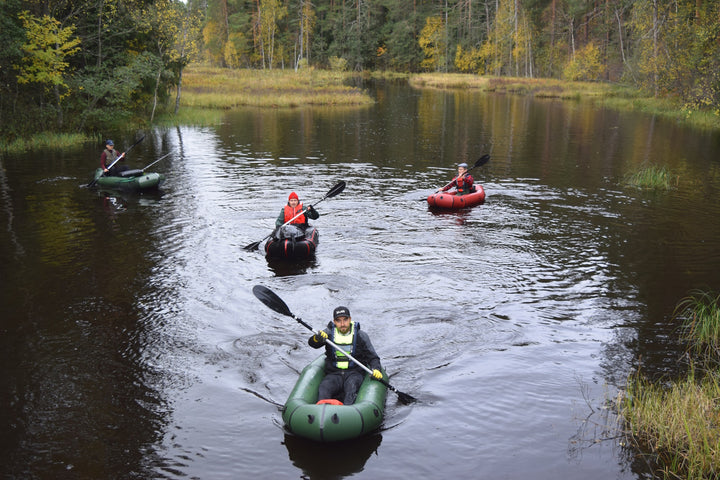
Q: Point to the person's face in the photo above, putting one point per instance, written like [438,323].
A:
[109,147]
[293,202]
[462,170]
[342,324]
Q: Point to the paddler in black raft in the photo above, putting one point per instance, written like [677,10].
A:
[293,213]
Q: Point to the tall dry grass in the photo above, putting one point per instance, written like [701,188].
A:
[678,423]
[208,87]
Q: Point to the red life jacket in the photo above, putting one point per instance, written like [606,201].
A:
[291,212]
[463,184]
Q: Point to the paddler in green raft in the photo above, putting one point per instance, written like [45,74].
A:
[108,159]
[342,376]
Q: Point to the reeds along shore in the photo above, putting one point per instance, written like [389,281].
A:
[675,424]
[652,177]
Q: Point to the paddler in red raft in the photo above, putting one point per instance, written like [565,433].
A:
[463,182]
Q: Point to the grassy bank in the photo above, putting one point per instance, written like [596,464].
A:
[617,97]
[224,88]
[676,424]
[46,140]
[208,92]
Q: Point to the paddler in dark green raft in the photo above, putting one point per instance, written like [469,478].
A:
[342,376]
[328,420]
[334,399]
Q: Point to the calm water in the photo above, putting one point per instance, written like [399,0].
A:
[132,346]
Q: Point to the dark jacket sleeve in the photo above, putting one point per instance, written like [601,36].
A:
[366,352]
[281,218]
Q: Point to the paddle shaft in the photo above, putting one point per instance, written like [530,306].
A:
[156,161]
[116,160]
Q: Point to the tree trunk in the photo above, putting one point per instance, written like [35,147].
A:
[179,88]
[155,93]
[56,91]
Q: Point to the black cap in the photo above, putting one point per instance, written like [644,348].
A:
[341,312]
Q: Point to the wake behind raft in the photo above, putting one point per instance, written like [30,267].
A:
[332,422]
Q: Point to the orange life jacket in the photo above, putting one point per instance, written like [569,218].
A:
[291,212]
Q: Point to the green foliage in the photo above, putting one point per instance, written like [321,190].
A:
[676,422]
[669,49]
[585,66]
[46,51]
[650,178]
[403,51]
[271,12]
[700,312]
[338,64]
[44,140]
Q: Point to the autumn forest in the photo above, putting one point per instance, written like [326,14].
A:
[79,65]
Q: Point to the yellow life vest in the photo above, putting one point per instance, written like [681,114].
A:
[347,343]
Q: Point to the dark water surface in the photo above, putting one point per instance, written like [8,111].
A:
[132,346]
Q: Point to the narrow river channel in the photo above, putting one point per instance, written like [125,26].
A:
[133,347]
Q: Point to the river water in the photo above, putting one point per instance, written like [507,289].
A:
[133,347]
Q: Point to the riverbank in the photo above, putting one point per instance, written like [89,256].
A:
[675,423]
[606,95]
[222,88]
[207,92]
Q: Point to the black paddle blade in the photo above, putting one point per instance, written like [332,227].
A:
[94,181]
[268,297]
[252,246]
[482,160]
[404,398]
[336,189]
